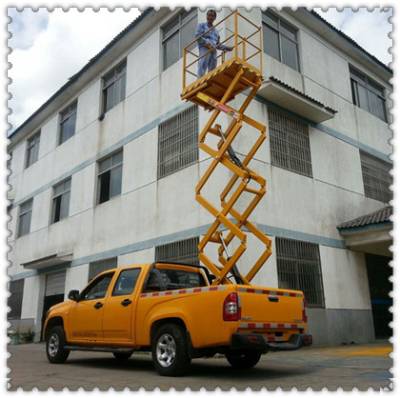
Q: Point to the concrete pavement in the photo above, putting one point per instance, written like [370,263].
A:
[346,366]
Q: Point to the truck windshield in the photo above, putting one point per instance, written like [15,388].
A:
[170,279]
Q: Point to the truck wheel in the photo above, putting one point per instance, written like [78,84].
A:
[170,350]
[243,360]
[55,342]
[122,356]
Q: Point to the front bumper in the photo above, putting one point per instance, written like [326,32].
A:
[258,342]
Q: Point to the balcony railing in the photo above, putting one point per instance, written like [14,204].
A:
[236,31]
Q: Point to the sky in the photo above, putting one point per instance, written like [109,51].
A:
[49,47]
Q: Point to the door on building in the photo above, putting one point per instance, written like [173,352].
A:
[54,291]
[379,272]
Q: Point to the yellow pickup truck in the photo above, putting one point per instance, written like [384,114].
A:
[174,311]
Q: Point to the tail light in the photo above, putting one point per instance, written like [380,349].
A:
[304,310]
[231,309]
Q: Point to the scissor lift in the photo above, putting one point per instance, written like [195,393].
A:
[240,74]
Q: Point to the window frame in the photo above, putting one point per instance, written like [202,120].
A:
[109,169]
[182,255]
[112,261]
[358,78]
[318,290]
[35,139]
[12,300]
[382,194]
[56,196]
[69,111]
[278,29]
[165,136]
[110,78]
[23,213]
[306,155]
[183,17]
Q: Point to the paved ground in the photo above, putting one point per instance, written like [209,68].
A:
[347,367]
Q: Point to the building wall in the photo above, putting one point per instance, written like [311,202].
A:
[150,211]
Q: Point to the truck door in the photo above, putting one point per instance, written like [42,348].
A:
[120,306]
[86,317]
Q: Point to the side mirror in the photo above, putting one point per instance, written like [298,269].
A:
[73,295]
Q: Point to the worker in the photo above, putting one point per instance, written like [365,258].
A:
[208,42]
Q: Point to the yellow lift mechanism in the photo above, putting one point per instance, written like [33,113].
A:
[213,92]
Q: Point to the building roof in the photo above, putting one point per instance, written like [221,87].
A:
[380,216]
[132,26]
[294,90]
[353,42]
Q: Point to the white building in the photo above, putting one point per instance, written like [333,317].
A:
[103,174]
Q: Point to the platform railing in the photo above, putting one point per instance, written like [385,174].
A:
[242,34]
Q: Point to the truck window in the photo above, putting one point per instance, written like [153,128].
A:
[126,282]
[170,279]
[98,288]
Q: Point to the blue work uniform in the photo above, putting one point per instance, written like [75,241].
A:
[208,61]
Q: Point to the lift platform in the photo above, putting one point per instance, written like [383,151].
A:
[238,72]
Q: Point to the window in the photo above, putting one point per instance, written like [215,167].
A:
[176,35]
[171,279]
[97,267]
[61,196]
[177,142]
[367,94]
[376,177]
[280,40]
[25,215]
[126,282]
[289,142]
[299,268]
[98,288]
[32,150]
[110,177]
[67,123]
[184,251]
[114,83]
[16,289]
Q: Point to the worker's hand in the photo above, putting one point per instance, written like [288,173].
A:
[229,48]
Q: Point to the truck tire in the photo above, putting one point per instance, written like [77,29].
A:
[244,359]
[170,350]
[122,356]
[55,342]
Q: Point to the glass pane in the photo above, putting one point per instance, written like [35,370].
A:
[56,209]
[289,31]
[26,206]
[170,27]
[24,223]
[187,33]
[171,50]
[270,19]
[64,207]
[104,187]
[117,158]
[126,282]
[67,128]
[377,105]
[116,181]
[104,164]
[98,289]
[271,42]
[289,53]
[362,97]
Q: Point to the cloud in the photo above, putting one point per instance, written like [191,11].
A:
[369,29]
[50,47]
